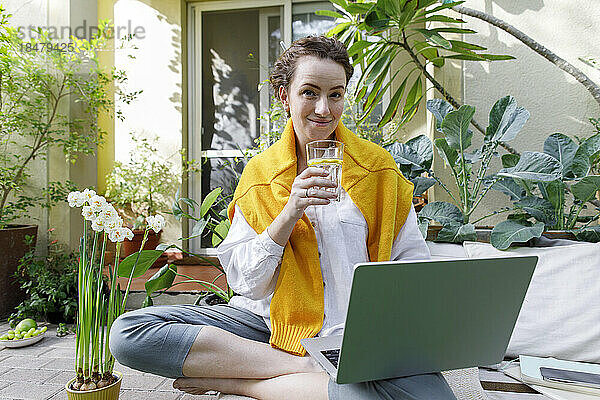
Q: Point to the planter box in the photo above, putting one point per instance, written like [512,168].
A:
[484,232]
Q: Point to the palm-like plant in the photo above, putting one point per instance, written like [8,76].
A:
[376,32]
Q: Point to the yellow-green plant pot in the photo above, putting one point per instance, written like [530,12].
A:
[106,393]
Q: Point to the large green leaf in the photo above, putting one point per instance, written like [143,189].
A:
[198,228]
[448,154]
[424,148]
[456,233]
[209,200]
[329,13]
[439,108]
[359,46]
[413,97]
[394,103]
[554,192]
[439,18]
[443,212]
[563,148]
[458,44]
[422,184]
[509,187]
[510,231]
[590,147]
[434,37]
[163,279]
[145,261]
[505,120]
[429,52]
[456,127]
[220,232]
[534,166]
[540,209]
[405,155]
[510,160]
[588,234]
[586,188]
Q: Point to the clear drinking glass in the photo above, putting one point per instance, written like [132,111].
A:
[328,155]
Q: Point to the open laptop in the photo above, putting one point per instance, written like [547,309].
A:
[414,317]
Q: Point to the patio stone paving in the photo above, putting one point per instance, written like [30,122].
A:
[40,371]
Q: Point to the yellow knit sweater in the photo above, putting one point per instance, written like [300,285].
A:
[375,185]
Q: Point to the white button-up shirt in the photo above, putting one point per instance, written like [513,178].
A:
[251,261]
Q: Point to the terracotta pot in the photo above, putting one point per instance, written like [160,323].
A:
[12,249]
[132,246]
[484,232]
[106,393]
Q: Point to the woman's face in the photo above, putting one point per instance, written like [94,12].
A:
[315,98]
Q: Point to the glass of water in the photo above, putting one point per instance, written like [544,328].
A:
[328,155]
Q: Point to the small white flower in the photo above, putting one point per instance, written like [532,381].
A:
[128,233]
[75,199]
[72,197]
[97,202]
[113,223]
[98,225]
[120,234]
[88,213]
[156,223]
[116,235]
[108,212]
[87,195]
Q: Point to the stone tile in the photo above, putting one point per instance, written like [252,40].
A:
[59,342]
[166,385]
[188,396]
[148,395]
[28,375]
[27,362]
[59,379]
[141,382]
[29,391]
[128,371]
[60,352]
[62,395]
[61,364]
[35,350]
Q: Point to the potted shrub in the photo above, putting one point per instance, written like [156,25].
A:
[141,187]
[206,222]
[35,82]
[95,377]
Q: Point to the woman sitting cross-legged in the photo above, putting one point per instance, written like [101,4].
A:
[289,256]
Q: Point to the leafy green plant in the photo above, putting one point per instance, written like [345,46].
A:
[34,85]
[377,32]
[207,222]
[144,185]
[414,159]
[50,284]
[555,196]
[469,167]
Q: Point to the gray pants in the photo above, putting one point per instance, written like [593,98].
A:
[158,339]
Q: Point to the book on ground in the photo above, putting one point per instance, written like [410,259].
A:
[529,372]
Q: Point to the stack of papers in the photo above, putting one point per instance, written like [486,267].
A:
[529,372]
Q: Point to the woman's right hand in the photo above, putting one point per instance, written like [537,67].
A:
[305,191]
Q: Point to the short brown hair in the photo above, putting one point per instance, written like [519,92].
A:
[318,46]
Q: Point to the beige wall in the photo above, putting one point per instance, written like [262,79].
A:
[557,102]
[157,69]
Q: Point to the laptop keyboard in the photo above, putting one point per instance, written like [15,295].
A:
[332,356]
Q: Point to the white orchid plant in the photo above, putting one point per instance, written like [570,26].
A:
[94,363]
